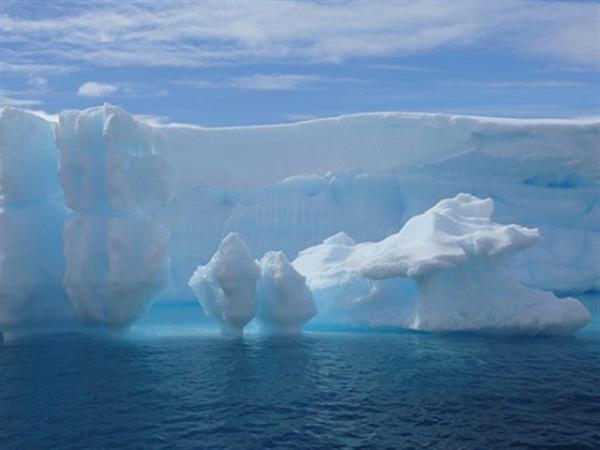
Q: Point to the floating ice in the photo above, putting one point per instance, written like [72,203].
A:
[31,228]
[28,158]
[109,160]
[284,301]
[456,257]
[117,259]
[226,285]
[288,187]
[115,264]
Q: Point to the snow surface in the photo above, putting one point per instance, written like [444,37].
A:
[455,257]
[226,286]
[284,301]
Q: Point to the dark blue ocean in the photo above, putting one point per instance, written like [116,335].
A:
[172,384]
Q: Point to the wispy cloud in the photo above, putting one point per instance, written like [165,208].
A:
[94,89]
[153,120]
[522,84]
[267,82]
[299,117]
[274,82]
[8,101]
[180,33]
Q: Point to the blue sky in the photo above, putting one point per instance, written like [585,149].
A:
[254,62]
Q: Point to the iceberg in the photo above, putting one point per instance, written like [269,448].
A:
[32,298]
[112,170]
[284,301]
[290,186]
[446,270]
[97,175]
[115,264]
[108,160]
[226,285]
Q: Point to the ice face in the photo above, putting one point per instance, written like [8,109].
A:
[115,264]
[285,302]
[288,187]
[226,286]
[456,257]
[108,160]
[112,169]
[32,298]
[28,159]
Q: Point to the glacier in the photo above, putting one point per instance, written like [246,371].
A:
[130,210]
[445,270]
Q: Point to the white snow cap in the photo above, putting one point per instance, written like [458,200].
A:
[226,285]
[285,302]
[456,256]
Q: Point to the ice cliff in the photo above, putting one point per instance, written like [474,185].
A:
[288,187]
[74,222]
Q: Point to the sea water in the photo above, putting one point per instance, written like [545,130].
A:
[174,383]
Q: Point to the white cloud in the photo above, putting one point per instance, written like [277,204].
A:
[274,82]
[153,120]
[525,84]
[8,101]
[94,89]
[299,117]
[182,33]
[38,83]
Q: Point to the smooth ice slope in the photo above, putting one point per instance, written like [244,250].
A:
[226,286]
[457,258]
[284,301]
[112,170]
[31,224]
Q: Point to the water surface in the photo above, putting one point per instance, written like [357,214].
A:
[177,385]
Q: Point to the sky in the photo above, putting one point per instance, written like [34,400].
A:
[224,63]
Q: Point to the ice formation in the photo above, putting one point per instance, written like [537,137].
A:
[285,187]
[445,270]
[284,301]
[112,169]
[226,285]
[31,225]
[288,187]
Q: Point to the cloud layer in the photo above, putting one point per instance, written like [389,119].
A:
[191,34]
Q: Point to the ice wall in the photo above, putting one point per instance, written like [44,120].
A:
[290,186]
[32,297]
[283,187]
[112,169]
